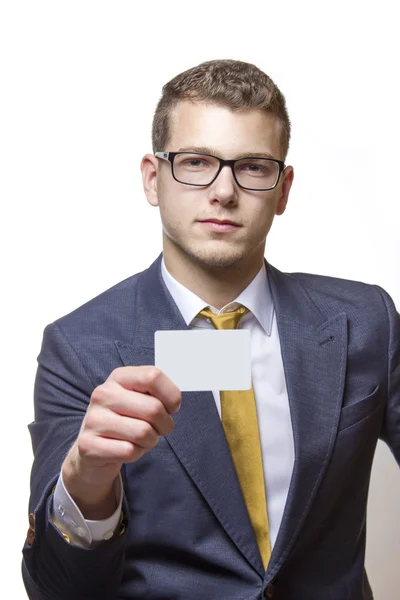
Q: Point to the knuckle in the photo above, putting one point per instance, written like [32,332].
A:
[93,420]
[155,410]
[152,374]
[84,445]
[89,420]
[129,452]
[117,374]
[144,432]
[100,394]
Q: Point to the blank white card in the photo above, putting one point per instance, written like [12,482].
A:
[205,359]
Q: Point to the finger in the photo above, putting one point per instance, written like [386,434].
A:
[148,379]
[113,396]
[105,423]
[103,451]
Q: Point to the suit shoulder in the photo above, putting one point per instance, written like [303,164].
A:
[340,293]
[318,281]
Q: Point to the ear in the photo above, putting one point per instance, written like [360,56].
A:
[286,184]
[149,167]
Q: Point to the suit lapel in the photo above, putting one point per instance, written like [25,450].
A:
[314,354]
[314,350]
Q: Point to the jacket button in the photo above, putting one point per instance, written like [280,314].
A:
[32,521]
[269,591]
[30,536]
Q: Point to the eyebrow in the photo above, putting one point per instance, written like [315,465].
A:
[206,150]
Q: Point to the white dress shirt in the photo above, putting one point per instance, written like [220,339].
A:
[269,384]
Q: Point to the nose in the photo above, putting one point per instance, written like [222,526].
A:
[224,188]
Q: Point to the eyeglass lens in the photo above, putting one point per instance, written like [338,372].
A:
[198,169]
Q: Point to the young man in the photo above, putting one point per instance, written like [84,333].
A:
[141,491]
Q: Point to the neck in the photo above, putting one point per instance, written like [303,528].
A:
[216,285]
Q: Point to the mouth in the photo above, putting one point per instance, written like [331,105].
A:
[216,225]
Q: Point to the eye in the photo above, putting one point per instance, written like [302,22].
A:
[194,163]
[261,168]
[253,167]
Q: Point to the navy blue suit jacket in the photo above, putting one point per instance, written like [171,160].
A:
[188,534]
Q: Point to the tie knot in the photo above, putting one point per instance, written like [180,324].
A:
[225,320]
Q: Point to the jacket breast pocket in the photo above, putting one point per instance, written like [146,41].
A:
[359,410]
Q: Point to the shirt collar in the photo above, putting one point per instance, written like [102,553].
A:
[256,297]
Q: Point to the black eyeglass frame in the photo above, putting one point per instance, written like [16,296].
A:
[170,157]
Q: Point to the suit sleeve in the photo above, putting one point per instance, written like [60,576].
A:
[52,567]
[391,427]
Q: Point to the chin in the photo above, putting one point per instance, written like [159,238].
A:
[215,258]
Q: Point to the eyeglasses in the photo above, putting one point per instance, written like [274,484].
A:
[250,173]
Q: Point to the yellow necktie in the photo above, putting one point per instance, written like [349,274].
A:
[239,420]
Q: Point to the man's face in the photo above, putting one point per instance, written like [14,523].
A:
[218,131]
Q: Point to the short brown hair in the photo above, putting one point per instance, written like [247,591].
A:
[232,83]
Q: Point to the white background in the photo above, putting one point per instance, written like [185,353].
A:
[79,84]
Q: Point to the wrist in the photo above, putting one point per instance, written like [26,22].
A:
[96,499]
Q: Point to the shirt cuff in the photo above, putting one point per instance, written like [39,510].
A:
[67,517]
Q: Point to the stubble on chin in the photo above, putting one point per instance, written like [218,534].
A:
[212,259]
